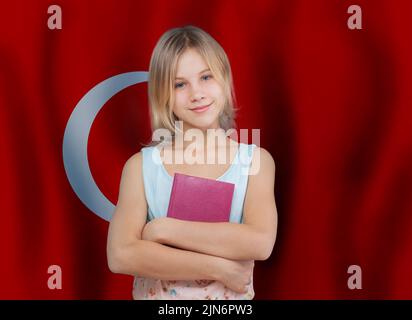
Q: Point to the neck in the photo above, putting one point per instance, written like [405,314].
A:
[201,138]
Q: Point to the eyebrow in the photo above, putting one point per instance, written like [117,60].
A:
[198,73]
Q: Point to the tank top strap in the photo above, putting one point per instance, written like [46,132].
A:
[150,170]
[245,157]
[240,176]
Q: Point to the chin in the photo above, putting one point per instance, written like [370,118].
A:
[203,124]
[204,121]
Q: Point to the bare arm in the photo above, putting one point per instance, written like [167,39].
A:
[252,240]
[128,254]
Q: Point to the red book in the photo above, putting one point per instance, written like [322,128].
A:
[200,199]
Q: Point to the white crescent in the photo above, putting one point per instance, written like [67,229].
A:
[76,136]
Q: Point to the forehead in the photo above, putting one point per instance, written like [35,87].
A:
[190,63]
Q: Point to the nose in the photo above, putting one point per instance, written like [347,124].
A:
[196,94]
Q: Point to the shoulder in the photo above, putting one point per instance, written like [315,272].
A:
[133,165]
[131,191]
[262,162]
[265,156]
[134,160]
[137,158]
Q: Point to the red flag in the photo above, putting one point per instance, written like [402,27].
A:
[333,105]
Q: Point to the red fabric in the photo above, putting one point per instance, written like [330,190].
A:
[333,106]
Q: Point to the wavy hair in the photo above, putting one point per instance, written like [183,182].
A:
[162,73]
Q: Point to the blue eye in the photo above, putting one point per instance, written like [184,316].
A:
[207,77]
[179,85]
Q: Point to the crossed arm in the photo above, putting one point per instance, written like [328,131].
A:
[252,240]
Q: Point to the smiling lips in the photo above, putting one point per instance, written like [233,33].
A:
[201,108]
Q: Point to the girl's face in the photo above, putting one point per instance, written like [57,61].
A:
[198,97]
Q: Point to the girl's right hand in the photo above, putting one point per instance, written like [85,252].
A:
[236,275]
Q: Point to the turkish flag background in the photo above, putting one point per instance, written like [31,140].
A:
[333,106]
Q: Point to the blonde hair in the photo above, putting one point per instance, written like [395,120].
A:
[162,74]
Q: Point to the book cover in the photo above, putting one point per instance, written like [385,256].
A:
[200,199]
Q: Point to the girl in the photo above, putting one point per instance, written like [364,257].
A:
[190,82]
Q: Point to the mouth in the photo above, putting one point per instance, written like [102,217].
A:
[201,108]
